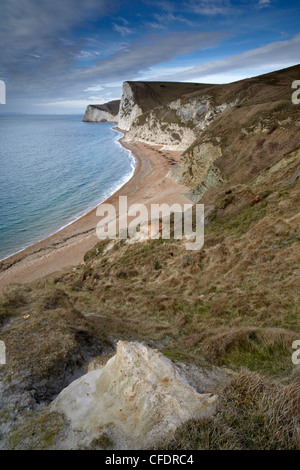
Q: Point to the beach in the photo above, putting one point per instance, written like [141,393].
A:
[66,248]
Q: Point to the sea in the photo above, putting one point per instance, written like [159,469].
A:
[53,170]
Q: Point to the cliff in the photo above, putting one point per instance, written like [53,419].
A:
[255,131]
[107,112]
[227,316]
[142,97]
[226,132]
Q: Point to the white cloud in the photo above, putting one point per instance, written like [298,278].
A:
[273,56]
[123,30]
[211,7]
[147,52]
[84,55]
[264,3]
[94,88]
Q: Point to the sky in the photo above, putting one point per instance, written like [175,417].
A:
[58,56]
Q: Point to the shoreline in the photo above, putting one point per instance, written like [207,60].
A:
[83,213]
[66,247]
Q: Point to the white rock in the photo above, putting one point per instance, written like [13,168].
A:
[194,116]
[94,114]
[129,109]
[138,398]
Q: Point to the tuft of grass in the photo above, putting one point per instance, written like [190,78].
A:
[157,265]
[253,413]
[264,350]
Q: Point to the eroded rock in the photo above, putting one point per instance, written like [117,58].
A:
[138,398]
[107,112]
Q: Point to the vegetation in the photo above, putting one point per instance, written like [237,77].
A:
[233,304]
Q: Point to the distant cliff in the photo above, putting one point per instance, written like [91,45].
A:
[226,133]
[107,112]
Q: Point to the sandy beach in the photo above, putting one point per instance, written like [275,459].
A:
[149,184]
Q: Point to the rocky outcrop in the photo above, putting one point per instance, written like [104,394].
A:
[107,112]
[140,98]
[196,169]
[176,125]
[137,399]
[129,108]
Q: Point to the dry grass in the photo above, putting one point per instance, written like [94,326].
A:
[48,341]
[235,303]
[253,413]
[239,291]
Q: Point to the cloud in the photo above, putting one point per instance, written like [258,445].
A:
[168,17]
[264,3]
[42,28]
[212,7]
[94,88]
[199,7]
[149,51]
[123,30]
[44,59]
[77,104]
[275,55]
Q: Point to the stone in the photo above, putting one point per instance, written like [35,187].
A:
[139,398]
[129,108]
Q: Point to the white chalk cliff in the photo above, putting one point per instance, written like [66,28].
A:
[154,118]
[138,398]
[107,112]
[129,108]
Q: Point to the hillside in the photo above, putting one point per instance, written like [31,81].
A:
[230,309]
[246,139]
[179,122]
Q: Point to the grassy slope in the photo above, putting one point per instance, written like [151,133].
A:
[234,304]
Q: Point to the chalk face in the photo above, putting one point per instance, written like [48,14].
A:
[2,92]
[2,353]
[138,397]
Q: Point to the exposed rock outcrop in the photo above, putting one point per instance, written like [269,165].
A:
[177,124]
[129,108]
[138,398]
[139,98]
[107,112]
[196,169]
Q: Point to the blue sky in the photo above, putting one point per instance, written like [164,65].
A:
[57,56]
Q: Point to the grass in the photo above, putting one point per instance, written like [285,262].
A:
[233,304]
[38,431]
[253,413]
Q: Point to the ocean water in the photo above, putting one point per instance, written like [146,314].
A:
[54,169]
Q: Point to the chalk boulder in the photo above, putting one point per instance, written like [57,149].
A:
[138,399]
